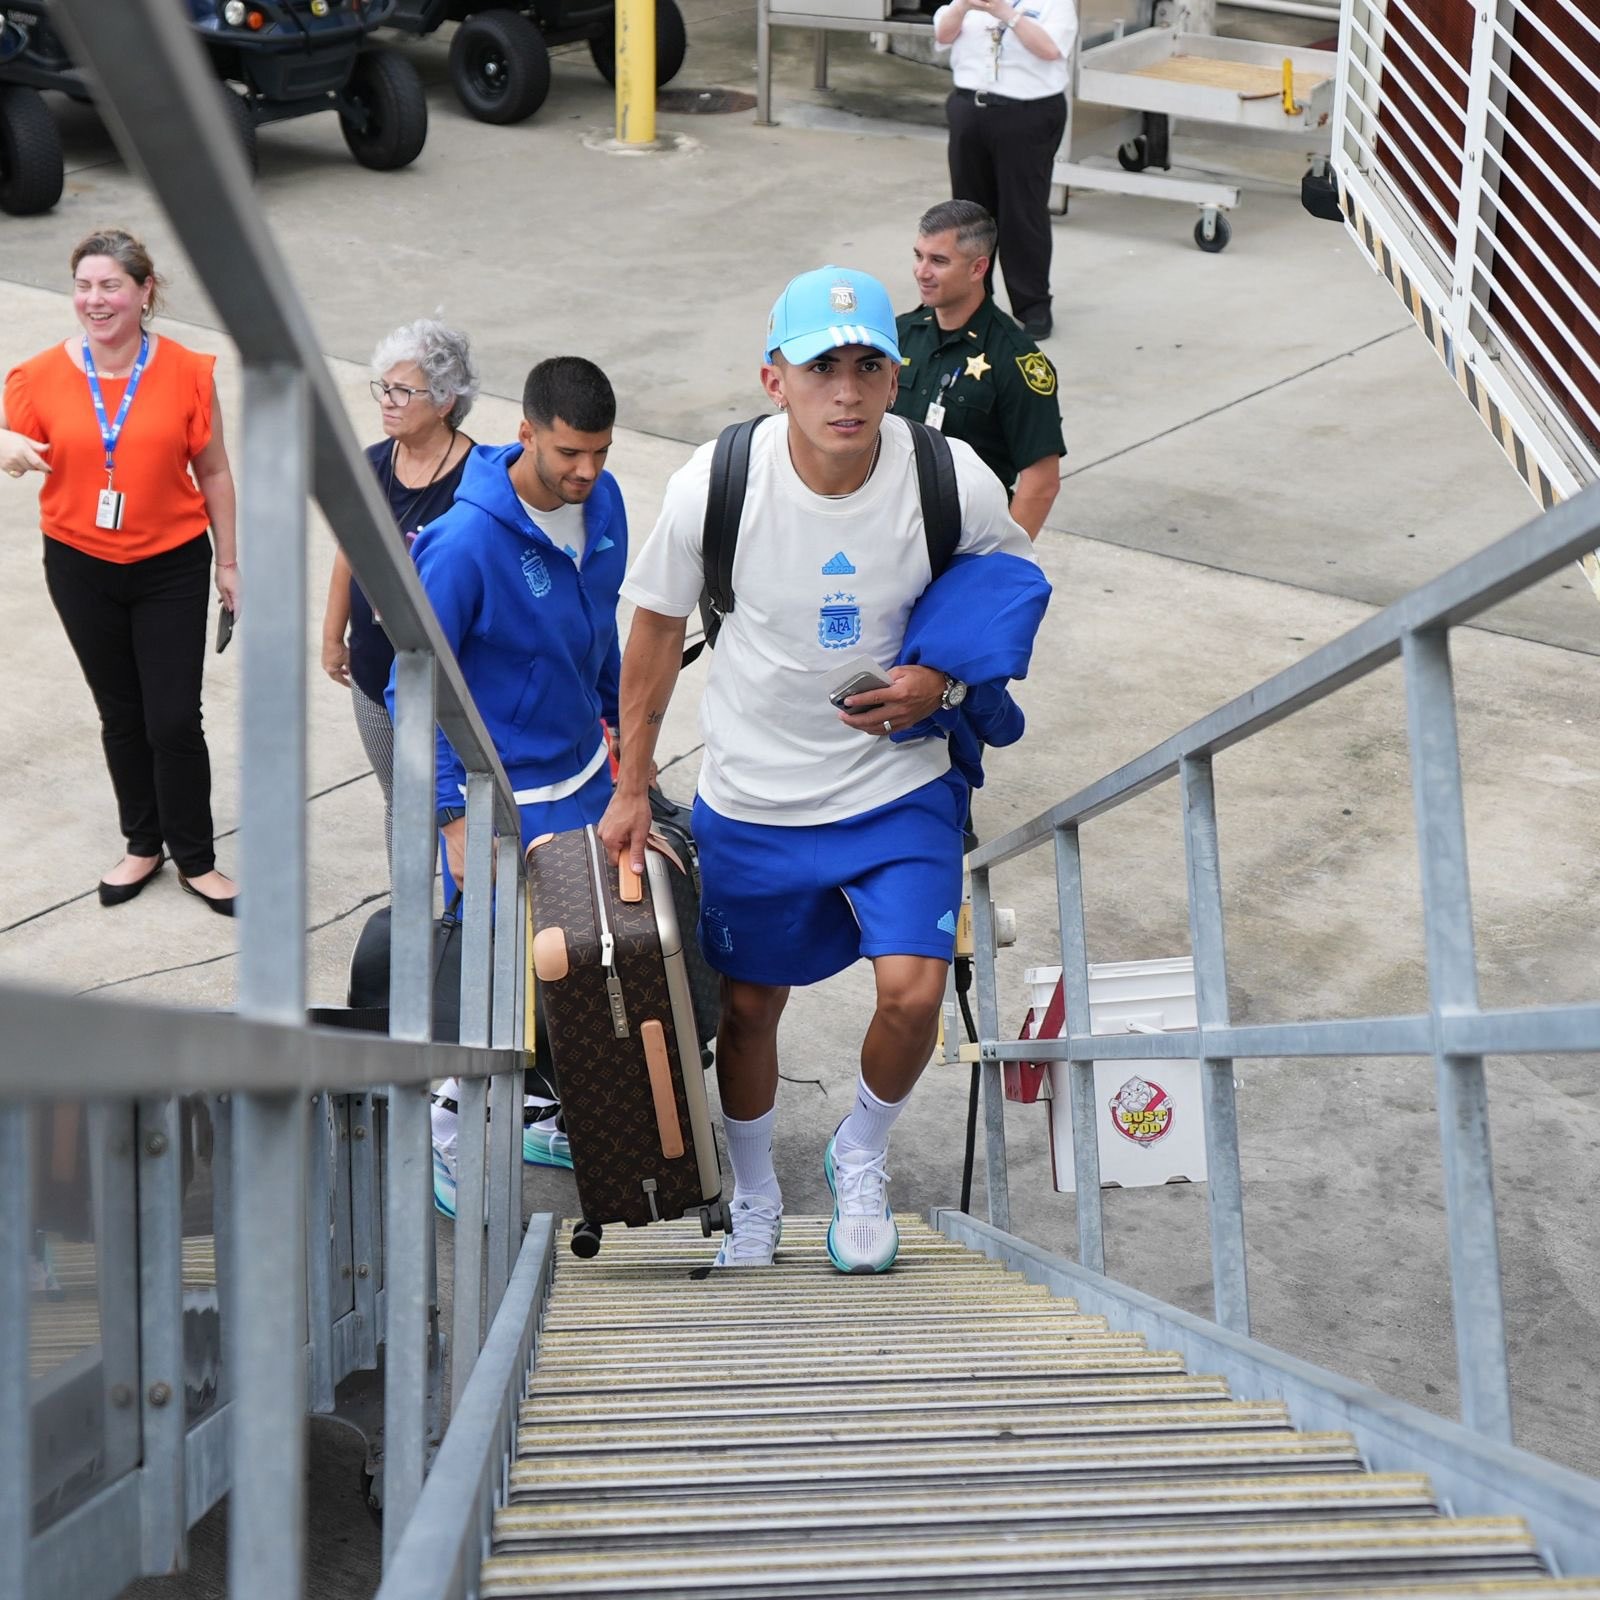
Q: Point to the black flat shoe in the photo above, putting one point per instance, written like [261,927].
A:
[119,894]
[223,906]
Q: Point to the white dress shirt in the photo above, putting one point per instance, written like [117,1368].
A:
[986,56]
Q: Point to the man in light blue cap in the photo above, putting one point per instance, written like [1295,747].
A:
[822,840]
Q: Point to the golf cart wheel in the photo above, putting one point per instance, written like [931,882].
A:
[244,126]
[500,66]
[32,172]
[672,44]
[1134,155]
[383,111]
[1217,239]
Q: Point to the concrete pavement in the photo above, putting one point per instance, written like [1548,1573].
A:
[1262,450]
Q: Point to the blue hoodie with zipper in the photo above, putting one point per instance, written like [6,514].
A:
[536,635]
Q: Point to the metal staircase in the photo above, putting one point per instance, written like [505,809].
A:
[946,1428]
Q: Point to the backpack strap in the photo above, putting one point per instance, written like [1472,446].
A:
[938,491]
[719,538]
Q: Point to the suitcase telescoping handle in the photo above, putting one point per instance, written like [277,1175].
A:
[608,943]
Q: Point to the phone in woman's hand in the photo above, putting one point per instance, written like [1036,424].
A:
[224,627]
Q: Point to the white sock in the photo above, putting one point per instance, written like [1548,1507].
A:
[866,1129]
[750,1155]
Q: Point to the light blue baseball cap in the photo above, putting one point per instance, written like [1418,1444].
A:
[830,307]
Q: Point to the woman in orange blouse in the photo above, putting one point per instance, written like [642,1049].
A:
[124,427]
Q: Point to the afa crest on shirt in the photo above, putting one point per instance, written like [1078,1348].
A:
[537,574]
[839,625]
[1037,372]
[714,927]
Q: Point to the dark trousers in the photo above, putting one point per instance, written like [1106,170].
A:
[1002,156]
[139,632]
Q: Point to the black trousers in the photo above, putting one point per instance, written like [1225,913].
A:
[139,632]
[1001,155]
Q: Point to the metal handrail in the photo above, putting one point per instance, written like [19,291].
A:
[1454,1031]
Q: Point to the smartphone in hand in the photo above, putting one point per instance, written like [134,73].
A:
[224,627]
[859,675]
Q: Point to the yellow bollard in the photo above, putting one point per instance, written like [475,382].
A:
[636,72]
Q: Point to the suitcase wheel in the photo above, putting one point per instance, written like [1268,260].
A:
[550,964]
[586,1240]
[716,1219]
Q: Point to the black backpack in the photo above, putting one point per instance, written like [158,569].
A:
[730,471]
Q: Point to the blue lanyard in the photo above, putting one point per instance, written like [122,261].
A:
[110,432]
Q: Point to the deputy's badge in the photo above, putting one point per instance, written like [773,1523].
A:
[842,297]
[1037,372]
[839,624]
[977,365]
[319,8]
[1141,1112]
[537,574]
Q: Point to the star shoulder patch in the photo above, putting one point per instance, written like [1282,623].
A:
[1037,372]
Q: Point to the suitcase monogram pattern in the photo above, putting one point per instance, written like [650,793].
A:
[608,1102]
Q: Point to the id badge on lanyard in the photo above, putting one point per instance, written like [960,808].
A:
[111,505]
[935,413]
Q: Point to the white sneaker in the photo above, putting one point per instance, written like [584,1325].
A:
[753,1240]
[862,1236]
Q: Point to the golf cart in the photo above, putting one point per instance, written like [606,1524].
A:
[288,57]
[500,56]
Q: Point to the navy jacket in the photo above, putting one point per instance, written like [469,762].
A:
[535,632]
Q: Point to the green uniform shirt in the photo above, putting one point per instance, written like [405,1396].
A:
[997,387]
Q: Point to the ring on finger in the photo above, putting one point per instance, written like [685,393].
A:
[888,727]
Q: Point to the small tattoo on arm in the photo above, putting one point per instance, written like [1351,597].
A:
[653,717]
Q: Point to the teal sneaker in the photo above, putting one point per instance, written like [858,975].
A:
[545,1145]
[862,1236]
[444,1185]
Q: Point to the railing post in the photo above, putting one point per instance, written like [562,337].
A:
[1224,1183]
[995,1174]
[1087,1200]
[505,1091]
[408,1214]
[16,1416]
[472,1094]
[266,1525]
[319,1251]
[1462,1091]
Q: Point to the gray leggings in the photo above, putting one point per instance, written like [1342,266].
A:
[377,739]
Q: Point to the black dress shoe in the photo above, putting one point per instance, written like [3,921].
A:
[1037,324]
[222,904]
[118,894]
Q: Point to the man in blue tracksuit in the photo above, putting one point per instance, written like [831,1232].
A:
[523,572]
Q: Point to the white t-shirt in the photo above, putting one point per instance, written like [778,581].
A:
[986,56]
[816,582]
[563,527]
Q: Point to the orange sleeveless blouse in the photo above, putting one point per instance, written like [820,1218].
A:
[168,425]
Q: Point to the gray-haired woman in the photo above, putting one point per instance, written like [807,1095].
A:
[425,385]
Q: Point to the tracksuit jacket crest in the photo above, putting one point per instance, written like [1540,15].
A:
[534,631]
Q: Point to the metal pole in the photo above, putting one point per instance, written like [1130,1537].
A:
[319,1252]
[819,60]
[763,64]
[366,1224]
[636,71]
[505,1090]
[1463,1098]
[1224,1182]
[266,1518]
[16,1418]
[409,1156]
[1087,1200]
[994,1095]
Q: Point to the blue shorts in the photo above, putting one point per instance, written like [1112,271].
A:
[796,905]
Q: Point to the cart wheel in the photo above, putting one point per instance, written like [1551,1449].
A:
[500,66]
[1212,232]
[244,126]
[32,172]
[672,43]
[1134,156]
[386,123]
[586,1240]
[1157,138]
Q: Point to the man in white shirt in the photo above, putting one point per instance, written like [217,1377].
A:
[1012,65]
[821,840]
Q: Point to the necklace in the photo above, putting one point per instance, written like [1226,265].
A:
[876,450]
[403,517]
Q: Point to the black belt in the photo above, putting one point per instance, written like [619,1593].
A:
[987,97]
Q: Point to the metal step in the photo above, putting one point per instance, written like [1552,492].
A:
[942,1429]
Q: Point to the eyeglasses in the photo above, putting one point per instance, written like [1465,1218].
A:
[397,394]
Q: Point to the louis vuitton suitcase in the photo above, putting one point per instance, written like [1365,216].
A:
[608,955]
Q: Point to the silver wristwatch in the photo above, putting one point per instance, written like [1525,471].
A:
[955,691]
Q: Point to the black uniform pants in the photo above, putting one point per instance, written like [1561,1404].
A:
[139,632]
[1001,155]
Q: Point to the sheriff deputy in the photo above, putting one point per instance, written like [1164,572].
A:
[968,370]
